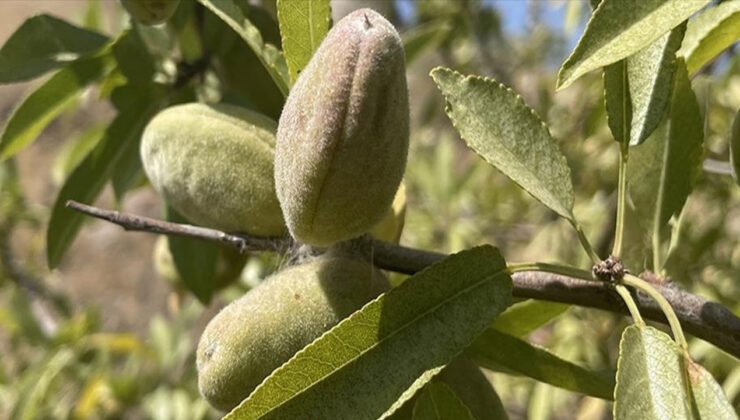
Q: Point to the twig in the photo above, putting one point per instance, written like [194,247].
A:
[707,320]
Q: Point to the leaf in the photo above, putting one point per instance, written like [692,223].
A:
[48,101]
[424,37]
[494,349]
[496,124]
[133,58]
[617,100]
[303,25]
[361,366]
[709,34]
[620,28]
[650,380]
[662,171]
[28,407]
[650,75]
[44,43]
[521,319]
[397,410]
[735,147]
[270,57]
[88,179]
[708,397]
[73,152]
[438,402]
[194,260]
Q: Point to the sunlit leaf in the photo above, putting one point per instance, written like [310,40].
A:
[650,379]
[47,102]
[494,349]
[359,368]
[303,25]
[620,28]
[270,57]
[43,43]
[523,318]
[708,396]
[710,33]
[438,402]
[496,123]
[617,100]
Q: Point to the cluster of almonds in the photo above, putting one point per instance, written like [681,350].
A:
[328,172]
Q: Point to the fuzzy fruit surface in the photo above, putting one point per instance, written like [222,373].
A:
[214,165]
[343,135]
[150,12]
[260,331]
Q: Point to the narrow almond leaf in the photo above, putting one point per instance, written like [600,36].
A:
[523,318]
[270,57]
[74,151]
[88,179]
[194,260]
[396,411]
[359,368]
[650,378]
[438,402]
[495,349]
[620,28]
[662,171]
[423,37]
[650,76]
[710,33]
[708,396]
[47,102]
[303,25]
[496,123]
[617,101]
[44,43]
[735,147]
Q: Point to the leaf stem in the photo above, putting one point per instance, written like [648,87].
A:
[584,242]
[631,305]
[621,200]
[550,268]
[662,302]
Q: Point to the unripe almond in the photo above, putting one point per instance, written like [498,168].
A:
[214,165]
[150,12]
[257,333]
[343,134]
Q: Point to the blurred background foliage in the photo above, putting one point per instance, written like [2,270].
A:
[105,336]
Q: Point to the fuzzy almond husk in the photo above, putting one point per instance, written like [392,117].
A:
[343,135]
[260,331]
[214,165]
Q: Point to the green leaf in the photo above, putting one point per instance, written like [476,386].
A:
[521,319]
[270,57]
[438,402]
[617,100]
[495,349]
[710,33]
[496,123]
[620,28]
[194,260]
[89,178]
[662,171]
[303,25]
[735,147]
[650,379]
[43,43]
[424,37]
[708,397]
[133,58]
[48,101]
[397,410]
[650,76]
[29,405]
[73,152]
[361,366]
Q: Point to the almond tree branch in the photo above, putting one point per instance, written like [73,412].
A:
[706,320]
